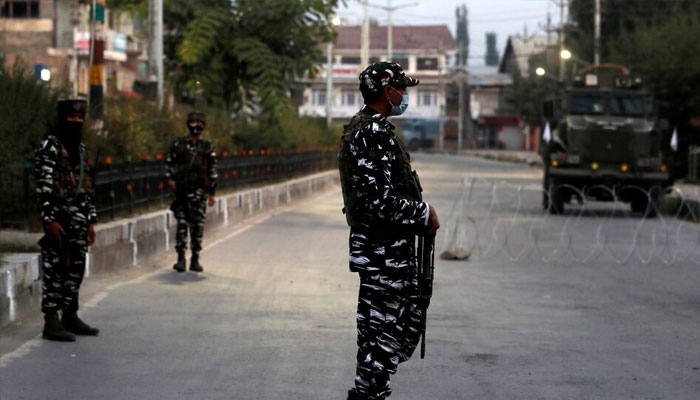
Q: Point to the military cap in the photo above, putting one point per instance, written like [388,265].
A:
[197,115]
[384,73]
[67,107]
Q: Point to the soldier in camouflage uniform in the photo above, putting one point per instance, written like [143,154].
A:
[191,174]
[66,198]
[385,211]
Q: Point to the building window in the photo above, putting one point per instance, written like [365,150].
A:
[427,63]
[403,61]
[427,98]
[319,98]
[20,9]
[349,98]
[350,60]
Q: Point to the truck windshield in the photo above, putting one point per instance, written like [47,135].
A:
[587,104]
[632,106]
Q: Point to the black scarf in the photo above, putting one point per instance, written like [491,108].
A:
[70,135]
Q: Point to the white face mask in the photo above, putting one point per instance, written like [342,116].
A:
[401,108]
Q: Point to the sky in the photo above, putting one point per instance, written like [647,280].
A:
[505,17]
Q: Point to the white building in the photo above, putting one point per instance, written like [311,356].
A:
[423,52]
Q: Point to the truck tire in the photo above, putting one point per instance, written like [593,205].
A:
[640,204]
[552,194]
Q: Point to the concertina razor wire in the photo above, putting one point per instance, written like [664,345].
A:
[495,220]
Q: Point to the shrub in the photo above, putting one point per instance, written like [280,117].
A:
[27,112]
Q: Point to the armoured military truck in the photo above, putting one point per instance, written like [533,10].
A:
[603,142]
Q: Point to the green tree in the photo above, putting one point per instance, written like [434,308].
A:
[28,113]
[671,72]
[492,55]
[618,17]
[27,110]
[244,53]
[462,34]
[527,92]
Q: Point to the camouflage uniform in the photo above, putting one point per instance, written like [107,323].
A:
[385,211]
[193,168]
[57,182]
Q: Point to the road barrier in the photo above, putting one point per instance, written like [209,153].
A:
[504,220]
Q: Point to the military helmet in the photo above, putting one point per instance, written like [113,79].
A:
[66,107]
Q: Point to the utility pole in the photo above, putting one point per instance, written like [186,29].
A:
[390,24]
[460,90]
[74,66]
[441,85]
[548,28]
[334,21]
[364,51]
[159,53]
[329,83]
[155,57]
[389,31]
[97,72]
[562,38]
[596,59]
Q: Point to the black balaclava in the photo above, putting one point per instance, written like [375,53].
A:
[70,132]
[196,130]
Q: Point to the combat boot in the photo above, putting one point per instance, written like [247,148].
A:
[54,330]
[181,264]
[75,325]
[194,263]
[353,394]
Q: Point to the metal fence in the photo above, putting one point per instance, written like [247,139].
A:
[128,187]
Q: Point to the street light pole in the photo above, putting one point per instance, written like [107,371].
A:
[390,24]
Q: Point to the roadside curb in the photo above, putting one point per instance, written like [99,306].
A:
[124,243]
[519,157]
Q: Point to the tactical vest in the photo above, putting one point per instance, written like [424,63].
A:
[67,178]
[192,165]
[403,179]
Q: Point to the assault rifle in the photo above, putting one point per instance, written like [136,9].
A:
[426,272]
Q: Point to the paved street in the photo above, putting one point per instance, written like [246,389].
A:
[273,315]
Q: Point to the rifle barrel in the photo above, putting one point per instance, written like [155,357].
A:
[426,257]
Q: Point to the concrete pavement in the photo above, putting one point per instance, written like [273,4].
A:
[272,317]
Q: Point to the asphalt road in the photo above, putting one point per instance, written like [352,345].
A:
[272,317]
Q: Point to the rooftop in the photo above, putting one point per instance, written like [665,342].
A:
[406,37]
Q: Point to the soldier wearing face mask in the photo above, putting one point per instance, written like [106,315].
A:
[192,176]
[385,211]
[66,197]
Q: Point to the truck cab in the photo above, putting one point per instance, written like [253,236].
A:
[605,143]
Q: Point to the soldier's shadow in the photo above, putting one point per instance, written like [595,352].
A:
[180,278]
